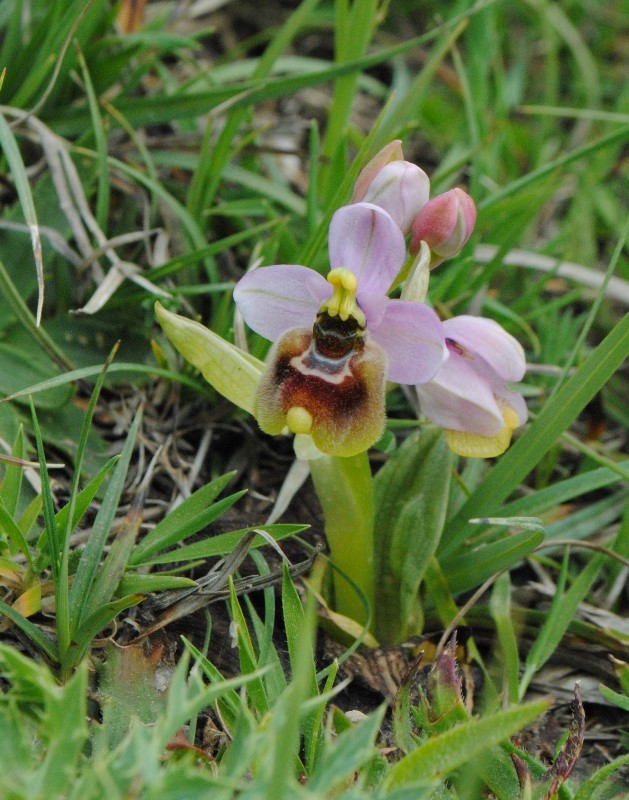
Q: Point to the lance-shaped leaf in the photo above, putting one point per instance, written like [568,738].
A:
[440,755]
[231,371]
[411,493]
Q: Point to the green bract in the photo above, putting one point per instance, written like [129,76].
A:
[231,371]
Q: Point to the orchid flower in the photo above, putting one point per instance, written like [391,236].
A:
[469,396]
[339,339]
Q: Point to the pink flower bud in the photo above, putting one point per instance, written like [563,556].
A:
[445,223]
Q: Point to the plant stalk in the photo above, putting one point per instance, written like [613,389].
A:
[345,490]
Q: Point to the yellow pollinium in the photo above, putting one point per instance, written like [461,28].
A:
[299,420]
[343,301]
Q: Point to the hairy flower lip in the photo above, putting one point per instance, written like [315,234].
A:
[339,402]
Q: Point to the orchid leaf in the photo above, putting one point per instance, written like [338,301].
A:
[411,493]
[441,754]
[487,560]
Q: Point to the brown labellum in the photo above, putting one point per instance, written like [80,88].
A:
[336,375]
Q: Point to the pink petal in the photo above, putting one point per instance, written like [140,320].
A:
[488,339]
[413,338]
[374,306]
[515,401]
[459,399]
[364,239]
[274,299]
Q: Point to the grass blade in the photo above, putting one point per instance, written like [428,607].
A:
[23,313]
[187,519]
[561,614]
[43,642]
[81,603]
[23,189]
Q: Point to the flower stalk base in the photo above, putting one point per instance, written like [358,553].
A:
[345,490]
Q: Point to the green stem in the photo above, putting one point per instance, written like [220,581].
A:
[345,490]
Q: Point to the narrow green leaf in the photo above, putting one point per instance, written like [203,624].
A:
[99,131]
[91,626]
[500,608]
[133,583]
[170,530]
[222,149]
[90,372]
[353,29]
[180,106]
[616,137]
[481,563]
[312,204]
[80,605]
[314,740]
[67,733]
[441,754]
[411,499]
[350,752]
[17,540]
[29,517]
[85,497]
[26,318]
[563,491]
[247,655]
[41,640]
[230,703]
[23,188]
[66,613]
[268,657]
[561,614]
[186,529]
[225,543]
[11,485]
[48,506]
[620,700]
[295,623]
[115,564]
[588,788]
[526,523]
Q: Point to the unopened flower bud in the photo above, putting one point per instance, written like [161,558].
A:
[396,185]
[390,152]
[445,223]
[402,189]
